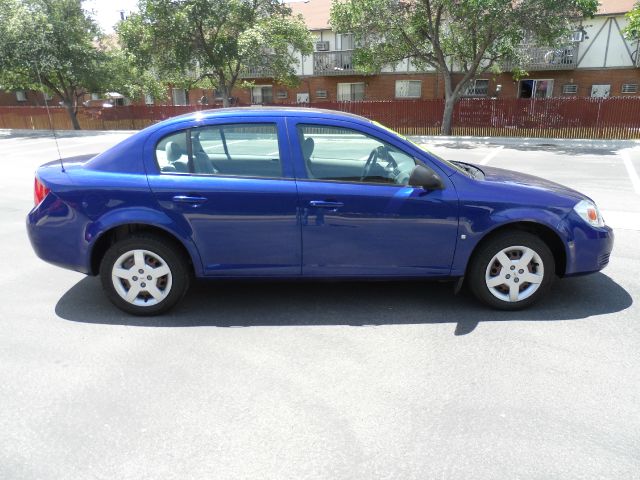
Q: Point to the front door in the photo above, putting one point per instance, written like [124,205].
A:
[359,216]
[227,183]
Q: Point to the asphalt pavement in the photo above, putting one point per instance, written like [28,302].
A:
[299,380]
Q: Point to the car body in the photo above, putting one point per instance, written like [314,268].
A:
[304,193]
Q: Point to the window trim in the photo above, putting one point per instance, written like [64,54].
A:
[187,132]
[410,97]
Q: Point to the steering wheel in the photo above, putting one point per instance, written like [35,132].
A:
[371,161]
[380,152]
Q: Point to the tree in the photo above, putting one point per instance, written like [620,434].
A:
[214,41]
[53,42]
[465,37]
[632,30]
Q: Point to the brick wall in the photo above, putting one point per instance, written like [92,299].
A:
[382,87]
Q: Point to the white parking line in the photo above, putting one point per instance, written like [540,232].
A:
[633,175]
[486,159]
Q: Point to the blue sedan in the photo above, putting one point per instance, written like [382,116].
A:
[302,193]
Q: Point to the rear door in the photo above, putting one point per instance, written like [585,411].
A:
[230,184]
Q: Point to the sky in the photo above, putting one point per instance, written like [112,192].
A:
[107,12]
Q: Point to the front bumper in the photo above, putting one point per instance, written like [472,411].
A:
[589,250]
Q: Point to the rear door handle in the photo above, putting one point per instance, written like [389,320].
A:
[189,199]
[325,204]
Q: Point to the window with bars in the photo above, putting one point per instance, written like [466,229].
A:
[408,88]
[570,89]
[478,88]
[21,96]
[629,88]
[350,92]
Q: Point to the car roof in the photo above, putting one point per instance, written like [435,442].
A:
[259,111]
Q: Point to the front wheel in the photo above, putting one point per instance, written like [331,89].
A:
[511,271]
[144,275]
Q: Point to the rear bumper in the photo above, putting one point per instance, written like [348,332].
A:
[589,250]
[54,233]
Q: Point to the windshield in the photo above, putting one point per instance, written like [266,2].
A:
[450,164]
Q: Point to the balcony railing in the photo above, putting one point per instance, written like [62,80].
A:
[338,62]
[548,58]
[256,72]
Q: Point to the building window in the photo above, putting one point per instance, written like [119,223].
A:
[478,88]
[600,91]
[321,94]
[408,88]
[535,89]
[95,96]
[629,88]
[345,41]
[261,94]
[21,96]
[179,96]
[282,94]
[47,96]
[350,92]
[570,89]
[148,99]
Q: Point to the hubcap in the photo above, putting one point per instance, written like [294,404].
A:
[141,278]
[514,273]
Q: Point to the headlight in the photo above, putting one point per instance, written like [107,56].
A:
[589,212]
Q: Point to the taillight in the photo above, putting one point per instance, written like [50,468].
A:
[39,191]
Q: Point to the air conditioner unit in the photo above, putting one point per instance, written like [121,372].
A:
[322,46]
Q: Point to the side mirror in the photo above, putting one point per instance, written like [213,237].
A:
[426,178]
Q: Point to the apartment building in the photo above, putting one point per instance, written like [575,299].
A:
[596,61]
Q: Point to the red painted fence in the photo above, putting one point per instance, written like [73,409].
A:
[554,117]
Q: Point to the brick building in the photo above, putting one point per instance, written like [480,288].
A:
[596,61]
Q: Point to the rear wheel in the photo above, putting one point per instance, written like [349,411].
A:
[511,271]
[144,274]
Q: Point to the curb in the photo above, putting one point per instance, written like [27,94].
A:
[425,139]
[17,132]
[524,141]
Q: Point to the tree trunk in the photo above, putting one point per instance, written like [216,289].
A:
[72,115]
[447,117]
[225,96]
[449,103]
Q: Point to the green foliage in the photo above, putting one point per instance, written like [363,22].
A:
[55,44]
[467,36]
[632,30]
[53,37]
[211,41]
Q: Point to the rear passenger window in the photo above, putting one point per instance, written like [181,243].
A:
[244,150]
[171,153]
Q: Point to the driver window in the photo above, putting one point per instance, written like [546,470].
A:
[342,154]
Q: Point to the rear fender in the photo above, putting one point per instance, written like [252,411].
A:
[143,216]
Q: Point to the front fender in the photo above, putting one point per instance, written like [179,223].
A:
[142,216]
[479,221]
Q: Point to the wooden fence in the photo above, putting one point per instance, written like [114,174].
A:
[606,118]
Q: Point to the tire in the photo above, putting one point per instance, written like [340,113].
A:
[499,277]
[145,274]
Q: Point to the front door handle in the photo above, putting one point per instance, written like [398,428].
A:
[189,199]
[325,204]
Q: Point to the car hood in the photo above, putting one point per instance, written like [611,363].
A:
[510,177]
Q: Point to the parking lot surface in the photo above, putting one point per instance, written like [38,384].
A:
[299,380]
